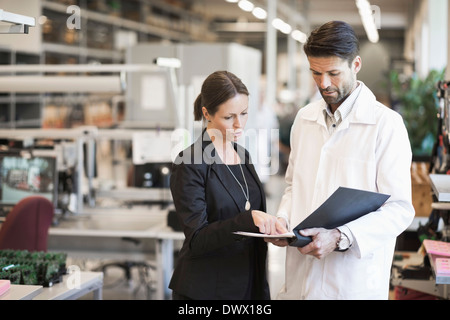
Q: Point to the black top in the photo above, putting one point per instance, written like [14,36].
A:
[256,203]
[253,187]
[213,262]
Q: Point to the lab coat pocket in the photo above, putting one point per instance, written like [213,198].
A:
[348,277]
[358,173]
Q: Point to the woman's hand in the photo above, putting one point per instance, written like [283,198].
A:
[280,242]
[267,223]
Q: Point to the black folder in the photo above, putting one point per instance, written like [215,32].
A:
[343,206]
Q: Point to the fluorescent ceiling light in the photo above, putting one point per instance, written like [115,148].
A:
[282,26]
[365,11]
[93,68]
[168,62]
[299,36]
[36,84]
[259,13]
[246,5]
[232,1]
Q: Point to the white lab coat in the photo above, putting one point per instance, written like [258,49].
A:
[370,150]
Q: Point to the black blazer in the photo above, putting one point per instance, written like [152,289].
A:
[213,262]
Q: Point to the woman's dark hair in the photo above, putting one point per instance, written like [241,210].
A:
[217,88]
[334,38]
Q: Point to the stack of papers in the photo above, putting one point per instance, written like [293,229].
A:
[439,248]
[443,267]
[262,235]
[440,259]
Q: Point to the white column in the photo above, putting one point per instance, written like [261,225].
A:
[292,49]
[447,73]
[271,53]
[438,34]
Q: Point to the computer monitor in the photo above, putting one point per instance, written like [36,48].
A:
[21,177]
[152,175]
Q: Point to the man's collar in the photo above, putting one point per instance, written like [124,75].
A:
[360,113]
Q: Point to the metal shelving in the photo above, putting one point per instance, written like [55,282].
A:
[96,41]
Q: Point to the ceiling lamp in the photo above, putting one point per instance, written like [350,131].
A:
[259,13]
[277,23]
[282,26]
[365,11]
[20,23]
[299,36]
[246,5]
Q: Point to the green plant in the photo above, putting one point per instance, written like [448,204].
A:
[32,268]
[416,100]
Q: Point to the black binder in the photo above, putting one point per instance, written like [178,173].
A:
[343,206]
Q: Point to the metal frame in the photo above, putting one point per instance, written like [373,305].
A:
[80,135]
[20,23]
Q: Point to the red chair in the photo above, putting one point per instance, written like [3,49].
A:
[26,226]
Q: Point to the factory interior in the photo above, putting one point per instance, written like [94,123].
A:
[96,102]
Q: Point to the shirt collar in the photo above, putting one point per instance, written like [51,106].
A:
[362,110]
[345,108]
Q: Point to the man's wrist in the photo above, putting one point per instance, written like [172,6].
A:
[343,242]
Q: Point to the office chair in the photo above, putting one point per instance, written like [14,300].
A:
[26,226]
[126,266]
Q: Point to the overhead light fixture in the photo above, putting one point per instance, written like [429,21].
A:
[168,62]
[76,68]
[259,13]
[20,23]
[246,5]
[282,26]
[37,84]
[299,36]
[365,11]
[232,1]
[27,83]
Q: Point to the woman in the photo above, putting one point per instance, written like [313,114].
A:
[216,191]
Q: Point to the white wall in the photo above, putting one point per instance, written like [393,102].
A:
[447,73]
[427,36]
[438,34]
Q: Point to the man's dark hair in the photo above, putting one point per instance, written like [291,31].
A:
[334,38]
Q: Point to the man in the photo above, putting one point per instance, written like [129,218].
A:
[346,139]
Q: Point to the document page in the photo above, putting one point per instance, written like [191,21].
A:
[263,235]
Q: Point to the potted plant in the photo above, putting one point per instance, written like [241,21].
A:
[416,100]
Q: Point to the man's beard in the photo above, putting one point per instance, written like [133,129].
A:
[341,94]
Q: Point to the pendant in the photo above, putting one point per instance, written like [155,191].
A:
[247,205]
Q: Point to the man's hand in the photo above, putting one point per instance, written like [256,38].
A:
[323,241]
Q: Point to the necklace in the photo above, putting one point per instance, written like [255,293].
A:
[246,195]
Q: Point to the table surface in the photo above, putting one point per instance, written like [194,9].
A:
[21,292]
[70,287]
[118,222]
[136,222]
